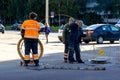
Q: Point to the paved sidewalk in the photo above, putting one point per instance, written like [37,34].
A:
[52,55]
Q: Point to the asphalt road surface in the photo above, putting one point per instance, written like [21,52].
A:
[10,68]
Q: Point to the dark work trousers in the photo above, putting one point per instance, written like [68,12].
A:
[74,43]
[66,51]
[66,48]
[74,47]
[77,52]
[31,44]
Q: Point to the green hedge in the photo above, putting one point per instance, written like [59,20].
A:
[53,28]
[7,27]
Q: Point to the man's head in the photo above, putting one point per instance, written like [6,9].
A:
[33,15]
[71,20]
[80,23]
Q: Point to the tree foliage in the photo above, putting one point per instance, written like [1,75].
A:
[68,7]
[17,10]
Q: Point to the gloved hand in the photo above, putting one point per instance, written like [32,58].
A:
[22,33]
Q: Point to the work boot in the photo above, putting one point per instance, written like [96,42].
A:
[25,64]
[65,60]
[74,60]
[65,57]
[80,61]
[36,64]
[71,62]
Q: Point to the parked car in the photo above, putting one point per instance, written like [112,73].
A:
[101,32]
[60,31]
[118,24]
[16,26]
[2,28]
[42,27]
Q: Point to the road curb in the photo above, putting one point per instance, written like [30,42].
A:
[63,67]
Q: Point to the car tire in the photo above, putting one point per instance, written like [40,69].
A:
[111,41]
[119,40]
[100,40]
[86,41]
[3,32]
[60,39]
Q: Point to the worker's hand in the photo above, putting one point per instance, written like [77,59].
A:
[22,33]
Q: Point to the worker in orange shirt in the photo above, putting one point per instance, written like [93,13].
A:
[30,33]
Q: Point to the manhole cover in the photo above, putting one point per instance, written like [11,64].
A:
[100,60]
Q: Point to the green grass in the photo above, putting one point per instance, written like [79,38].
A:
[54,28]
[7,27]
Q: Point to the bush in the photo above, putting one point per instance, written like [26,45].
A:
[7,27]
[54,28]
[91,18]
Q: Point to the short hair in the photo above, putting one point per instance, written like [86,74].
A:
[71,19]
[32,15]
[80,21]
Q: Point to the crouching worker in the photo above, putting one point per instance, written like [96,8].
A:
[30,33]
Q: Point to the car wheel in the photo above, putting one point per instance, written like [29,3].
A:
[119,40]
[111,41]
[60,39]
[86,42]
[100,40]
[3,32]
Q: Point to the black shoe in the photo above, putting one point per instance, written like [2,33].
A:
[36,64]
[80,62]
[74,60]
[71,62]
[25,64]
[65,61]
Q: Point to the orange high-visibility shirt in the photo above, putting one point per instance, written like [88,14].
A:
[31,28]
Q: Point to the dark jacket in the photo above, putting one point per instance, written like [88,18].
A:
[80,35]
[65,34]
[73,33]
